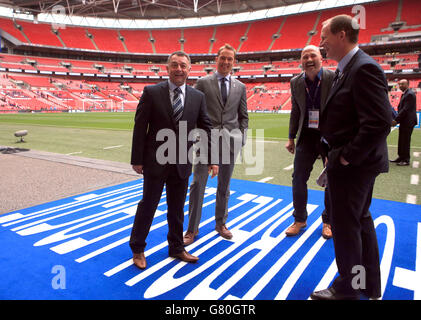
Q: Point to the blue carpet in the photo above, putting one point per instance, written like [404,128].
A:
[77,248]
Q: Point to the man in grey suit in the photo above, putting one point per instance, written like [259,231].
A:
[309,91]
[227,109]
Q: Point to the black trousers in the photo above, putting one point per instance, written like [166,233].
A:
[354,235]
[404,142]
[153,186]
[306,155]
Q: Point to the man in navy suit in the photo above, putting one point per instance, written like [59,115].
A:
[355,125]
[167,107]
[407,119]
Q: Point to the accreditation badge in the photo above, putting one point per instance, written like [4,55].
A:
[313,119]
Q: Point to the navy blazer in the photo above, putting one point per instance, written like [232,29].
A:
[155,113]
[357,117]
[407,109]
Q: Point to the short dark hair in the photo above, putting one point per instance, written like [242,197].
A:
[227,47]
[180,54]
[344,23]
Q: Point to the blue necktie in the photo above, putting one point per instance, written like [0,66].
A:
[177,104]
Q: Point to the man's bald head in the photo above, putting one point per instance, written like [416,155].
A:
[403,85]
[311,61]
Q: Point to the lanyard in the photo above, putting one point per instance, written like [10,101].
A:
[312,99]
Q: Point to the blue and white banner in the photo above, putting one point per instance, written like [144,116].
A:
[77,248]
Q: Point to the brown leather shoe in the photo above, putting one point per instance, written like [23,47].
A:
[139,260]
[295,228]
[326,231]
[223,231]
[189,237]
[185,256]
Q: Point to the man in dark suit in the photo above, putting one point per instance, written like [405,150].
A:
[166,109]
[226,101]
[355,126]
[309,91]
[407,119]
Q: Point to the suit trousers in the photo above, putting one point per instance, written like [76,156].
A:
[354,235]
[197,190]
[176,190]
[306,153]
[404,142]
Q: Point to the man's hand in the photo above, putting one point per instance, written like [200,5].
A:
[290,146]
[343,161]
[214,169]
[138,168]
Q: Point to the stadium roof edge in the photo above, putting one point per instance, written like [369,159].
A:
[59,18]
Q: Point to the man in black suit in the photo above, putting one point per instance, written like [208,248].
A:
[309,91]
[355,126]
[169,109]
[407,119]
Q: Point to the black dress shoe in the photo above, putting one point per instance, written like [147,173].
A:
[331,294]
[403,163]
[396,160]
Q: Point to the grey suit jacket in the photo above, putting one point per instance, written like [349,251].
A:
[298,98]
[231,116]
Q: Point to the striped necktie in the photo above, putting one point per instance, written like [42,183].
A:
[177,104]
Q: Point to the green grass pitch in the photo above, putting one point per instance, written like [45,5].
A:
[108,136]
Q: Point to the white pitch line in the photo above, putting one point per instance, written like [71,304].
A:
[77,152]
[290,167]
[417,154]
[410,198]
[113,147]
[415,164]
[265,179]
[415,178]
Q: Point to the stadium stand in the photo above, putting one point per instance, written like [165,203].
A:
[32,81]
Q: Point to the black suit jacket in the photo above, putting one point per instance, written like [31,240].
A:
[155,113]
[298,100]
[407,109]
[357,117]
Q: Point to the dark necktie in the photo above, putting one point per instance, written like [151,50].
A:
[336,78]
[224,90]
[177,104]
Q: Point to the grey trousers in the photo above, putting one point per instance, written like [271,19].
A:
[197,190]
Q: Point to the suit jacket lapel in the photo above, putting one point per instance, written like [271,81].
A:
[325,87]
[301,94]
[232,90]
[187,103]
[343,76]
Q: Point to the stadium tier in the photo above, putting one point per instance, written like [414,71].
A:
[288,32]
[34,82]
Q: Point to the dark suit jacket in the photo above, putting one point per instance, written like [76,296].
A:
[357,117]
[298,99]
[155,113]
[407,109]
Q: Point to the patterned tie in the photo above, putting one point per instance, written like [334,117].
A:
[177,104]
[224,90]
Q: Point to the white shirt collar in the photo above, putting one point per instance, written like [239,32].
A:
[220,76]
[173,86]
[345,60]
